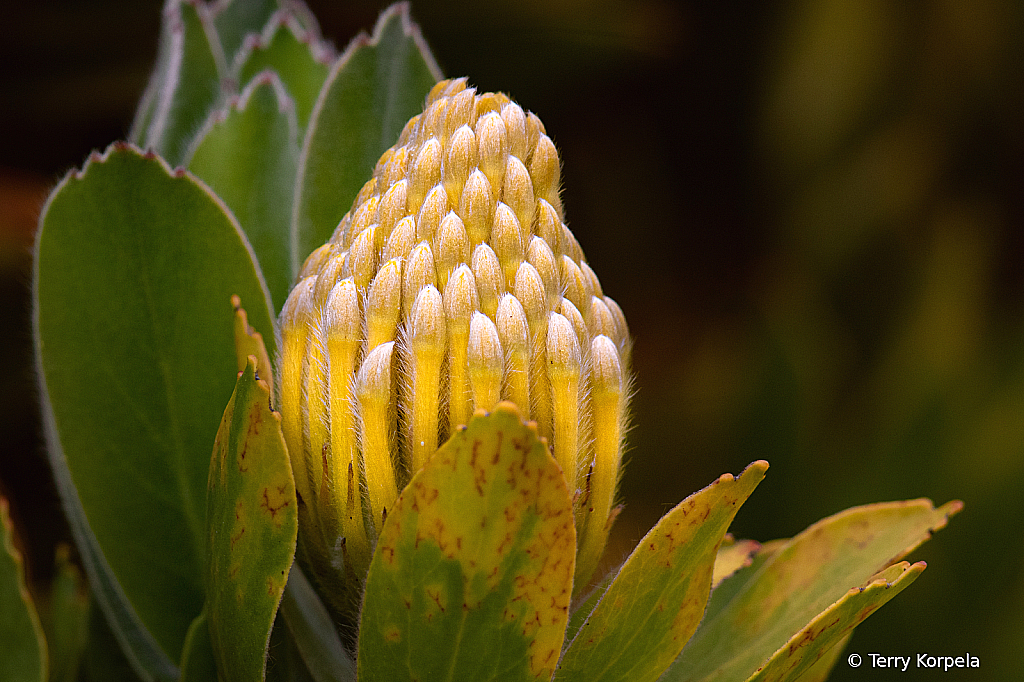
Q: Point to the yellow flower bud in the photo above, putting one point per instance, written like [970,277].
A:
[515,126]
[476,207]
[401,239]
[517,191]
[392,208]
[451,246]
[492,142]
[384,304]
[419,273]
[427,337]
[453,283]
[486,362]
[514,334]
[460,301]
[425,173]
[458,162]
[490,281]
[434,207]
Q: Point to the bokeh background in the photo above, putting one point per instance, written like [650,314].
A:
[811,211]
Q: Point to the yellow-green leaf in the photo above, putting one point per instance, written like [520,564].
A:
[472,574]
[252,521]
[732,556]
[655,603]
[753,614]
[816,640]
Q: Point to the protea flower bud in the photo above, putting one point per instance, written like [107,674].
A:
[453,283]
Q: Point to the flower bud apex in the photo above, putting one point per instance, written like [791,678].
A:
[401,239]
[507,239]
[517,192]
[419,273]
[486,362]
[451,244]
[476,207]
[492,142]
[459,158]
[392,209]
[515,127]
[461,113]
[490,282]
[544,171]
[434,207]
[542,258]
[384,304]
[549,226]
[425,173]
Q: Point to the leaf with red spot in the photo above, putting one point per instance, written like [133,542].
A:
[655,603]
[252,520]
[803,586]
[472,575]
[817,640]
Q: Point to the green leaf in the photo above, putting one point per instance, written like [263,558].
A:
[376,85]
[833,625]
[123,638]
[236,18]
[247,155]
[582,612]
[104,659]
[313,632]
[472,573]
[298,57]
[252,520]
[820,670]
[66,618]
[655,603]
[753,614]
[186,82]
[135,269]
[23,653]
[198,663]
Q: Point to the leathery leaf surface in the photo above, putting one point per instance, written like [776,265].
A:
[472,574]
[816,641]
[252,520]
[136,266]
[655,603]
[757,612]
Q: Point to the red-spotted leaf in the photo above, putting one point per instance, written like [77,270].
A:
[815,641]
[655,603]
[755,614]
[472,574]
[252,520]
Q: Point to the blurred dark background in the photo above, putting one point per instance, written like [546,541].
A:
[811,211]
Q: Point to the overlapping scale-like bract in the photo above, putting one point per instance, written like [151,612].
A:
[453,283]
